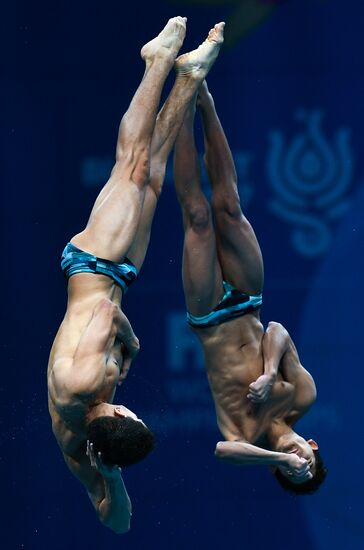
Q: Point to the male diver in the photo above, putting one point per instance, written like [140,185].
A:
[95,343]
[259,386]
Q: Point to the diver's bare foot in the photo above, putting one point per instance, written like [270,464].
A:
[168,42]
[198,62]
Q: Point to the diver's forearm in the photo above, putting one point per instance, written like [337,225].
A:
[126,334]
[240,453]
[115,508]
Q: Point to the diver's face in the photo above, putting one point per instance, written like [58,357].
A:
[120,410]
[304,449]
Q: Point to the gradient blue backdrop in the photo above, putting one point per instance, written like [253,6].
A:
[290,96]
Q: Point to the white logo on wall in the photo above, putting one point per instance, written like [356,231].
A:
[310,178]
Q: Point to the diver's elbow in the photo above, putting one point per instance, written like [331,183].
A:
[118,528]
[220,449]
[118,525]
[121,530]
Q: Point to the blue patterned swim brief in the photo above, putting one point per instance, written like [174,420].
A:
[74,260]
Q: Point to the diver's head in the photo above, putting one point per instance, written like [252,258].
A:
[294,443]
[119,435]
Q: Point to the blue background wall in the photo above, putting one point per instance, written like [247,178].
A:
[290,96]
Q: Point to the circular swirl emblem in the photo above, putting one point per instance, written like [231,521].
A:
[310,178]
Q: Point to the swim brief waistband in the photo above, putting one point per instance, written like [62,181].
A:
[74,260]
[232,305]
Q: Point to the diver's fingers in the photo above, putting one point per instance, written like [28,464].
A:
[255,398]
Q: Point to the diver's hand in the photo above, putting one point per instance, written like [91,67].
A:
[296,467]
[125,367]
[260,389]
[128,354]
[107,472]
[130,345]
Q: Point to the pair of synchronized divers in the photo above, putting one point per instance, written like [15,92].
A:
[258,384]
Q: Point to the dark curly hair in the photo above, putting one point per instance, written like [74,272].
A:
[308,487]
[121,441]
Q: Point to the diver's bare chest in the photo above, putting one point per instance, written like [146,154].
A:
[258,418]
[280,402]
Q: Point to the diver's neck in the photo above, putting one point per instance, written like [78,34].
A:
[96,410]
